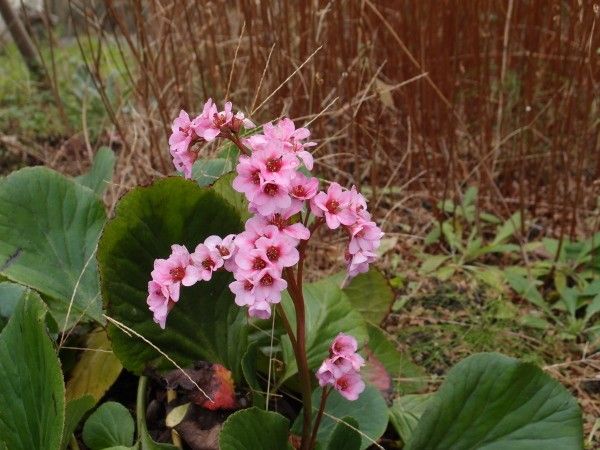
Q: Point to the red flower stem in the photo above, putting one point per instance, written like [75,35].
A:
[287,326]
[238,143]
[302,250]
[313,438]
[295,292]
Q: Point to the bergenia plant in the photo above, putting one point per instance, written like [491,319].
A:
[268,257]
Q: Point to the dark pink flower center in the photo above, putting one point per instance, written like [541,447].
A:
[342,383]
[267,280]
[255,177]
[278,221]
[224,251]
[332,206]
[273,253]
[258,264]
[274,164]
[271,189]
[177,273]
[299,191]
[219,120]
[208,264]
[248,285]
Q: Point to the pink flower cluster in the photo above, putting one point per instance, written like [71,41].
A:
[185,268]
[341,369]
[348,208]
[209,125]
[280,196]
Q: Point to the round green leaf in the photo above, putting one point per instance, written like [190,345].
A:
[205,324]
[49,228]
[369,411]
[371,295]
[253,429]
[32,394]
[111,425]
[490,401]
[345,436]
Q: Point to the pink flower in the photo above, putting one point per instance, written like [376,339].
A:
[349,385]
[243,289]
[239,121]
[269,286]
[260,310]
[278,250]
[272,197]
[256,227]
[275,165]
[334,205]
[341,369]
[285,223]
[346,363]
[159,301]
[206,260]
[358,204]
[184,161]
[248,180]
[226,248]
[205,125]
[326,373]
[252,261]
[175,270]
[182,133]
[365,236]
[286,131]
[359,262]
[211,122]
[303,188]
[343,345]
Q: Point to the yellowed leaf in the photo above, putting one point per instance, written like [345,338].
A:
[96,370]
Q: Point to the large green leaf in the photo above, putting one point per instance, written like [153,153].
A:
[345,435]
[205,324]
[406,411]
[328,313]
[369,411]
[399,371]
[237,200]
[490,401]
[49,228]
[101,172]
[74,412]
[253,429]
[111,425]
[32,394]
[10,295]
[371,295]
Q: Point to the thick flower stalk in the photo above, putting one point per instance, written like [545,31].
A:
[268,256]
